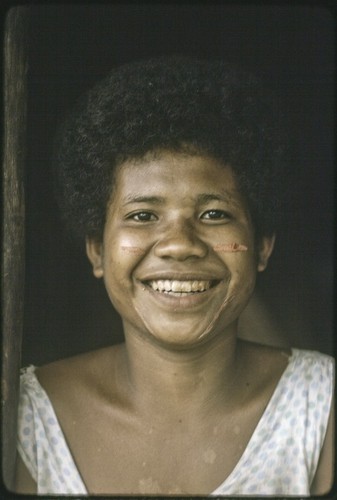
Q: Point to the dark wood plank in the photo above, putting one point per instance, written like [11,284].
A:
[15,103]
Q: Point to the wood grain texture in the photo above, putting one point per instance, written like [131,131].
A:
[13,258]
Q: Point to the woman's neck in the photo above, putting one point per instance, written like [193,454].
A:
[180,381]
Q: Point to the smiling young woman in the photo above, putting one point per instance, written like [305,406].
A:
[171,171]
[177,287]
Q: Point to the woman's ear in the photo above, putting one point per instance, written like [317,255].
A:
[94,250]
[265,249]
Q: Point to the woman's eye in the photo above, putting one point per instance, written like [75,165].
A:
[216,215]
[143,217]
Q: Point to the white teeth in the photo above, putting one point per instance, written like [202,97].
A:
[161,285]
[181,286]
[177,286]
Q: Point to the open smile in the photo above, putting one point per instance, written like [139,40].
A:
[181,293]
[181,288]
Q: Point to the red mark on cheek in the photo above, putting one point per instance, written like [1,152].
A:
[230,247]
[133,250]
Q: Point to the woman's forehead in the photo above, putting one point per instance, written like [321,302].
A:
[153,178]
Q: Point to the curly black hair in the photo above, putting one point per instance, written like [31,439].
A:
[177,104]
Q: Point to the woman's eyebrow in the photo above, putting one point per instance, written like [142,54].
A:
[205,198]
[201,199]
[154,200]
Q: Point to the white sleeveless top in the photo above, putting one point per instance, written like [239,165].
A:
[280,459]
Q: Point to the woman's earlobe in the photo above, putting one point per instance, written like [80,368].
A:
[265,250]
[94,251]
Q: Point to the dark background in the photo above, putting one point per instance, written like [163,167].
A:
[71,47]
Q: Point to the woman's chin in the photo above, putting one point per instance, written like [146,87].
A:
[180,337]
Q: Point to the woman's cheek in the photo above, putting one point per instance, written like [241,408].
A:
[244,272]
[231,247]
[131,243]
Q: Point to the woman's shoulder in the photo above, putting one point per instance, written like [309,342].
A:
[86,361]
[266,362]
[286,355]
[271,365]
[80,375]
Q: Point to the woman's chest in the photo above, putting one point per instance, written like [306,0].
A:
[119,457]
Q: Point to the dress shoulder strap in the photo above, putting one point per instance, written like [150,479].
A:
[41,443]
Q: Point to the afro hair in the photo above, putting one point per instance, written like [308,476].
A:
[177,104]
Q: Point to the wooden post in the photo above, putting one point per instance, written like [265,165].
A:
[13,258]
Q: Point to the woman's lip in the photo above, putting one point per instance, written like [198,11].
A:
[179,277]
[176,302]
[179,286]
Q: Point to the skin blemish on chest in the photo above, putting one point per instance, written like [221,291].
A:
[236,430]
[148,486]
[209,456]
[230,247]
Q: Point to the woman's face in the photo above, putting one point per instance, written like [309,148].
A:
[178,255]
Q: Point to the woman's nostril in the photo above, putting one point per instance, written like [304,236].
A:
[181,246]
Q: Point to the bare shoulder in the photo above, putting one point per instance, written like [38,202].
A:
[264,355]
[265,364]
[265,350]
[79,375]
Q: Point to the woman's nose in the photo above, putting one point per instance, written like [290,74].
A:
[180,242]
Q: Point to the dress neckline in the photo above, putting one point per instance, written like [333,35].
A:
[30,371]
[261,423]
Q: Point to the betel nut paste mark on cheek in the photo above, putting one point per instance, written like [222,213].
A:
[133,250]
[230,247]
[220,247]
